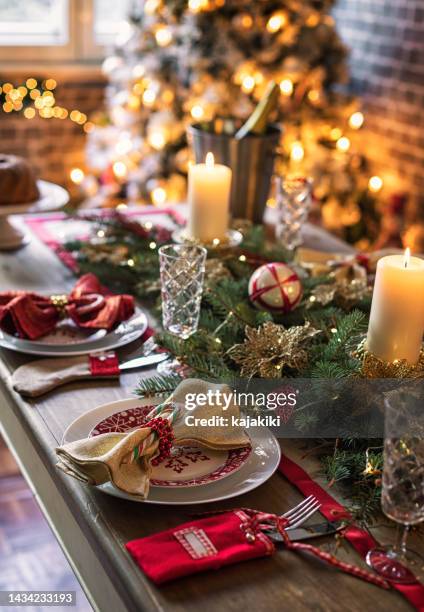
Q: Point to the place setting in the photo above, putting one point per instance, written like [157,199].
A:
[196,471]
[75,333]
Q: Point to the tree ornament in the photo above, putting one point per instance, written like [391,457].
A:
[271,348]
[275,287]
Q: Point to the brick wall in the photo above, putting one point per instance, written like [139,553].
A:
[53,146]
[386,38]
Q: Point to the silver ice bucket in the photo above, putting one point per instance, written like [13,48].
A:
[252,161]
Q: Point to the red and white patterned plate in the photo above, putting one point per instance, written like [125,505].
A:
[262,462]
[187,466]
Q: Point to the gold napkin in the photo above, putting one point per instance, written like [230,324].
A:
[43,375]
[107,457]
[216,438]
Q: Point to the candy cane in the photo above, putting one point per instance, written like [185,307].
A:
[160,421]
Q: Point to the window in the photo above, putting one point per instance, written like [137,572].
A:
[35,22]
[59,30]
[108,18]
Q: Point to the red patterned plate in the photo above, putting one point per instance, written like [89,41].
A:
[188,466]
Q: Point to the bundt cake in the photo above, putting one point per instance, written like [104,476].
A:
[17,181]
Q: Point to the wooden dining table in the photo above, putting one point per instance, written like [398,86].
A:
[93,527]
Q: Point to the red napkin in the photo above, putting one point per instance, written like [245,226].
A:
[219,540]
[31,316]
[197,546]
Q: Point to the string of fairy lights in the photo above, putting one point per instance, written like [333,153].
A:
[41,101]
[36,99]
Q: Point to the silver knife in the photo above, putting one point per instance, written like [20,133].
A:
[310,531]
[141,362]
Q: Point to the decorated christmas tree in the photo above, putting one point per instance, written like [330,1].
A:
[180,61]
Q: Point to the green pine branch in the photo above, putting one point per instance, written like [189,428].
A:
[157,385]
[347,467]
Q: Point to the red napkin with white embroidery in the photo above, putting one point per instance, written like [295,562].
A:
[197,546]
[89,305]
[219,540]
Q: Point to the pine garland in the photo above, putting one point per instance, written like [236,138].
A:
[125,260]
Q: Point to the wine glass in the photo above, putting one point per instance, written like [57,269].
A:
[182,268]
[402,497]
[293,194]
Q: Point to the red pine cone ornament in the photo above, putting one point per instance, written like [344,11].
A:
[275,287]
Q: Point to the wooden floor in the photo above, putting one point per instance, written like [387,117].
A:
[30,557]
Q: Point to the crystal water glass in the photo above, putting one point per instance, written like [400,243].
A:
[402,497]
[182,268]
[294,198]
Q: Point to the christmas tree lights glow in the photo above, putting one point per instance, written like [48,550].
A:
[189,61]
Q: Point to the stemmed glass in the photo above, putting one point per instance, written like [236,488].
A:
[293,195]
[402,497]
[182,268]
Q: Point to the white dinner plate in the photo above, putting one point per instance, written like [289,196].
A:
[260,464]
[79,342]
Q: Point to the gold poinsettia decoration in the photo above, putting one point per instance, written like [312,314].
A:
[348,284]
[215,270]
[345,293]
[271,348]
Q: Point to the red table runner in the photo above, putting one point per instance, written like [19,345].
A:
[54,229]
[360,539]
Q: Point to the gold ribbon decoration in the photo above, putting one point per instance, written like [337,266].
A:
[59,301]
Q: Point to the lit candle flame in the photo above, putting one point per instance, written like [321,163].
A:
[407,257]
[210,160]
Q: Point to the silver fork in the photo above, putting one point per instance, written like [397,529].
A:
[300,513]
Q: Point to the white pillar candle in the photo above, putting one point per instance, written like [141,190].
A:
[209,187]
[396,324]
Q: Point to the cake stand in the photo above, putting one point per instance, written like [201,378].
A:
[51,198]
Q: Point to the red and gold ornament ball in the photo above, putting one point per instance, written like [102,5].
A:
[275,287]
